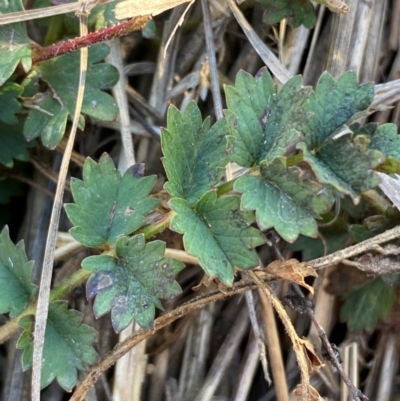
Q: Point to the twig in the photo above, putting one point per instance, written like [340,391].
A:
[351,251]
[357,395]
[58,49]
[122,348]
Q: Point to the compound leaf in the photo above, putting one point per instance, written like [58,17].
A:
[9,105]
[218,234]
[67,345]
[62,75]
[262,123]
[297,12]
[364,306]
[15,44]
[108,205]
[131,283]
[283,199]
[194,154]
[17,289]
[13,144]
[334,103]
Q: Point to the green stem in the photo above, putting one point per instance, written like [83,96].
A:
[159,226]
[292,160]
[65,287]
[226,187]
[69,284]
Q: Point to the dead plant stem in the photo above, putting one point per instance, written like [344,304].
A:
[357,395]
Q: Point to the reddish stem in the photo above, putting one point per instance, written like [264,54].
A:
[58,49]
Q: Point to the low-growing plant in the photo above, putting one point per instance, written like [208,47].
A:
[297,152]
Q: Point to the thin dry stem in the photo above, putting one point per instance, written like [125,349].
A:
[122,348]
[45,282]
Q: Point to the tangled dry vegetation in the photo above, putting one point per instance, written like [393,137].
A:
[212,342]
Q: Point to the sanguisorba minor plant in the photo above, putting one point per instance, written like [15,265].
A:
[300,148]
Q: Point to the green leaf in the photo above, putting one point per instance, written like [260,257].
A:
[264,124]
[324,173]
[334,103]
[334,164]
[67,345]
[130,284]
[360,233]
[108,205]
[103,16]
[284,199]
[15,46]
[62,75]
[297,12]
[48,120]
[17,289]
[218,234]
[13,144]
[366,305]
[195,156]
[383,138]
[9,105]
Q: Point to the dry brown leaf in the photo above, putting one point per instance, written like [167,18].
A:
[313,359]
[313,394]
[292,270]
[135,8]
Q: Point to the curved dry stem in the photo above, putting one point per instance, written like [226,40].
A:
[125,346]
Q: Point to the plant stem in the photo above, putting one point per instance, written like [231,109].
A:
[159,226]
[356,394]
[292,160]
[58,49]
[69,284]
[75,280]
[65,287]
[123,347]
[226,187]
